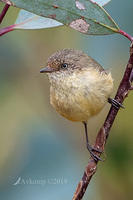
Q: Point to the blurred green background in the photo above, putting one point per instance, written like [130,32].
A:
[42,155]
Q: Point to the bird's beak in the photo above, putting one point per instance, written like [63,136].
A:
[46,70]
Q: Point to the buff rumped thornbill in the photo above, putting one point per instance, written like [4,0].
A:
[79,87]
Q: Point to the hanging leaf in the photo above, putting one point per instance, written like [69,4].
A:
[28,20]
[101,2]
[83,15]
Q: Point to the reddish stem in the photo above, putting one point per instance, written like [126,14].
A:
[7,29]
[4,11]
[126,35]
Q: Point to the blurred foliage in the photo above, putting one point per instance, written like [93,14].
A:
[38,144]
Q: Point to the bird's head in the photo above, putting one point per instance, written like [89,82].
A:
[65,62]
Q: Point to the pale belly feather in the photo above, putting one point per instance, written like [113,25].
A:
[82,98]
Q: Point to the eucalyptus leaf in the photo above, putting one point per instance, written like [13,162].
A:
[83,15]
[28,20]
[101,2]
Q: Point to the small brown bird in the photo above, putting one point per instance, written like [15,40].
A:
[79,87]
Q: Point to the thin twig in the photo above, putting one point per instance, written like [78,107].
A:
[4,11]
[126,35]
[103,133]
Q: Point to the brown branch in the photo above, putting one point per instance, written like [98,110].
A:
[4,11]
[103,133]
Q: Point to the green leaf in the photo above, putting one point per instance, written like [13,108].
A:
[28,20]
[84,15]
[101,2]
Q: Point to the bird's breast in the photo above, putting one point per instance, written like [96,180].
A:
[81,95]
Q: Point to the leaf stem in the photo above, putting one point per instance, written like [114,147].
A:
[4,11]
[102,136]
[7,29]
[126,35]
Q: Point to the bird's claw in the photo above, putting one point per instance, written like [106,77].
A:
[92,153]
[115,103]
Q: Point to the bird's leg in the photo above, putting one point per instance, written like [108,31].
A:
[89,147]
[115,103]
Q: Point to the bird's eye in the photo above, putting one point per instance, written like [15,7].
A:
[64,65]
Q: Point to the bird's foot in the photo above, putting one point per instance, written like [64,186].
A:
[92,151]
[115,103]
